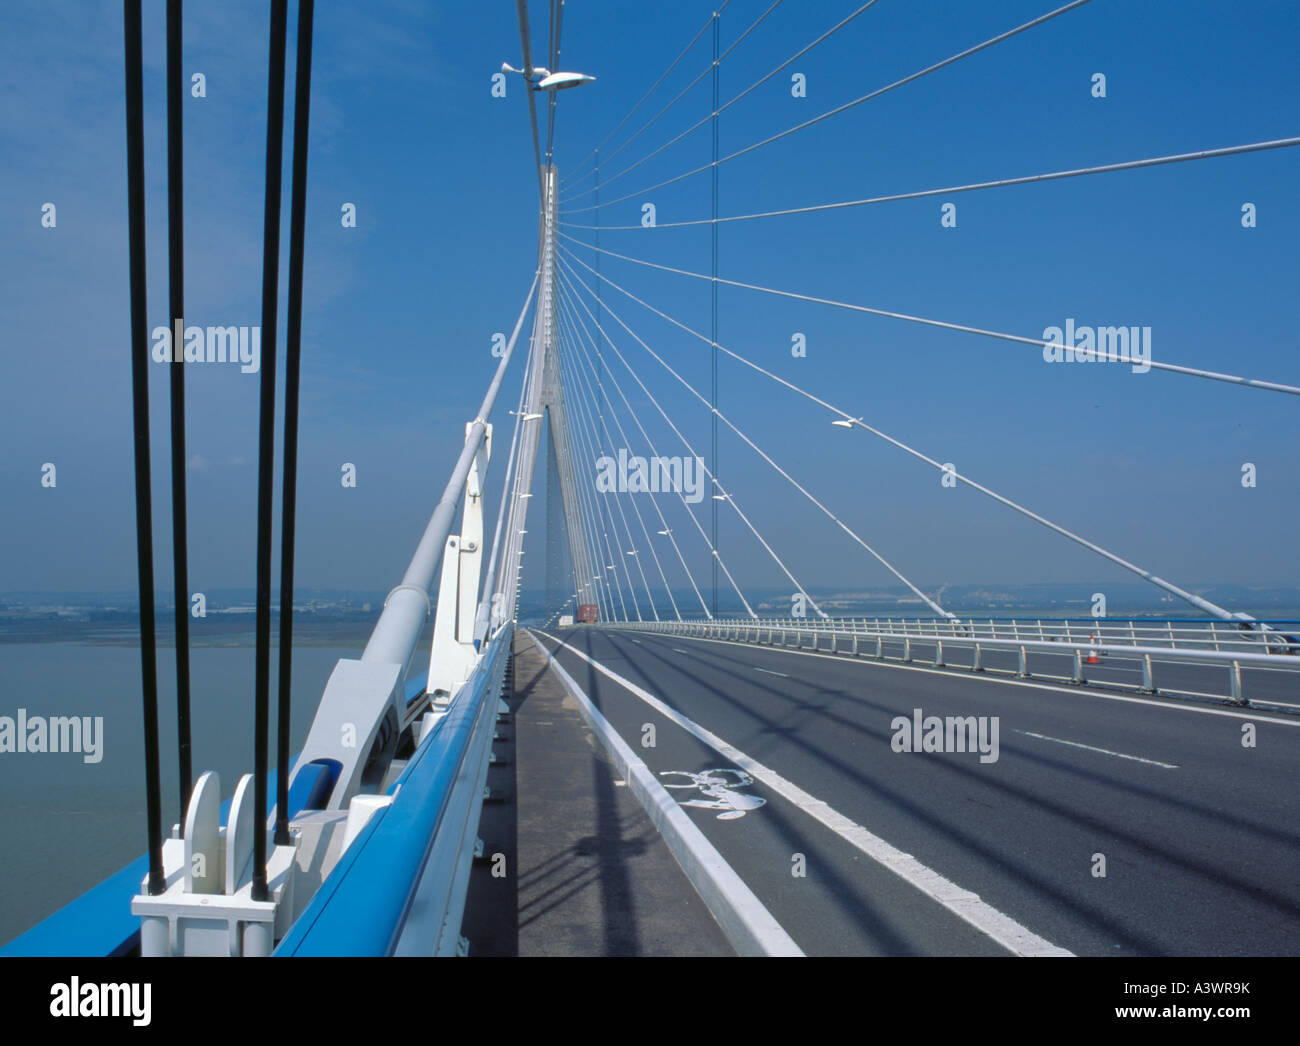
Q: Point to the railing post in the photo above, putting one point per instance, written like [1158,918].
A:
[1022,671]
[907,650]
[1078,666]
[977,660]
[938,653]
[1234,681]
[1148,685]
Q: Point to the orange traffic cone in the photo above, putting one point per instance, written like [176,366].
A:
[1092,658]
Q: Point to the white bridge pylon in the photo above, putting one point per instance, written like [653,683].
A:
[545,401]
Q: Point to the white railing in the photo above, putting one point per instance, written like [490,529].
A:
[1138,645]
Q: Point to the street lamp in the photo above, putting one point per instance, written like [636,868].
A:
[545,80]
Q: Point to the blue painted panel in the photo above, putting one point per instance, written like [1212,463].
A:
[99,922]
[361,907]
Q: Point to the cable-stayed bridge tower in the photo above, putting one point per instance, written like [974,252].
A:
[545,401]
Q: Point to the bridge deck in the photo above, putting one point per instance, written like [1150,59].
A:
[1198,830]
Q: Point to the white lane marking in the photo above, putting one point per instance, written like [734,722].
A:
[679,650]
[720,790]
[1073,691]
[966,905]
[745,920]
[637,642]
[770,672]
[1093,748]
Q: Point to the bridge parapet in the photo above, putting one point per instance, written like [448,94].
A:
[1126,655]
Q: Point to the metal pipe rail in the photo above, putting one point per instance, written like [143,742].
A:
[1276,637]
[408,605]
[846,637]
[400,887]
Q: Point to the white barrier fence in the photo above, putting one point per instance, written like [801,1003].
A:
[1136,646]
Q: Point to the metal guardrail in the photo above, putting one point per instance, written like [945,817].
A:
[1212,644]
[1277,637]
[399,889]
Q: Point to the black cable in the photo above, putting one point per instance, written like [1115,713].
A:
[292,354]
[176,288]
[266,432]
[139,348]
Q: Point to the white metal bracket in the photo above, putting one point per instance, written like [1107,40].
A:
[454,653]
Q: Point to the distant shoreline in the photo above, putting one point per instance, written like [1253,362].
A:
[205,635]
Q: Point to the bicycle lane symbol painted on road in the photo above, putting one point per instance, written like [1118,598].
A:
[720,790]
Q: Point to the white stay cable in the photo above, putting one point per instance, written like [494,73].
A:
[1110,356]
[594,382]
[722,492]
[593,444]
[681,94]
[573,403]
[703,534]
[653,87]
[594,524]
[998,183]
[493,594]
[789,478]
[595,520]
[667,531]
[847,105]
[723,108]
[498,549]
[1196,601]
[577,359]
[507,580]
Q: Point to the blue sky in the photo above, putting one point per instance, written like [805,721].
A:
[399,312]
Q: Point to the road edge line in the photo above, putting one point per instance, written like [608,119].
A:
[745,921]
[968,906]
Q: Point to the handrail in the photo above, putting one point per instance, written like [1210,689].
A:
[966,635]
[1114,632]
[362,908]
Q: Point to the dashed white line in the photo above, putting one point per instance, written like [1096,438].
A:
[1003,929]
[1104,751]
[771,672]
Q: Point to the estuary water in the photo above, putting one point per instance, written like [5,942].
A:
[66,823]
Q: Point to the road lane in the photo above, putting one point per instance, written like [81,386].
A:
[1199,860]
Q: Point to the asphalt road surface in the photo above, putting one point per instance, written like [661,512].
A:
[1107,824]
